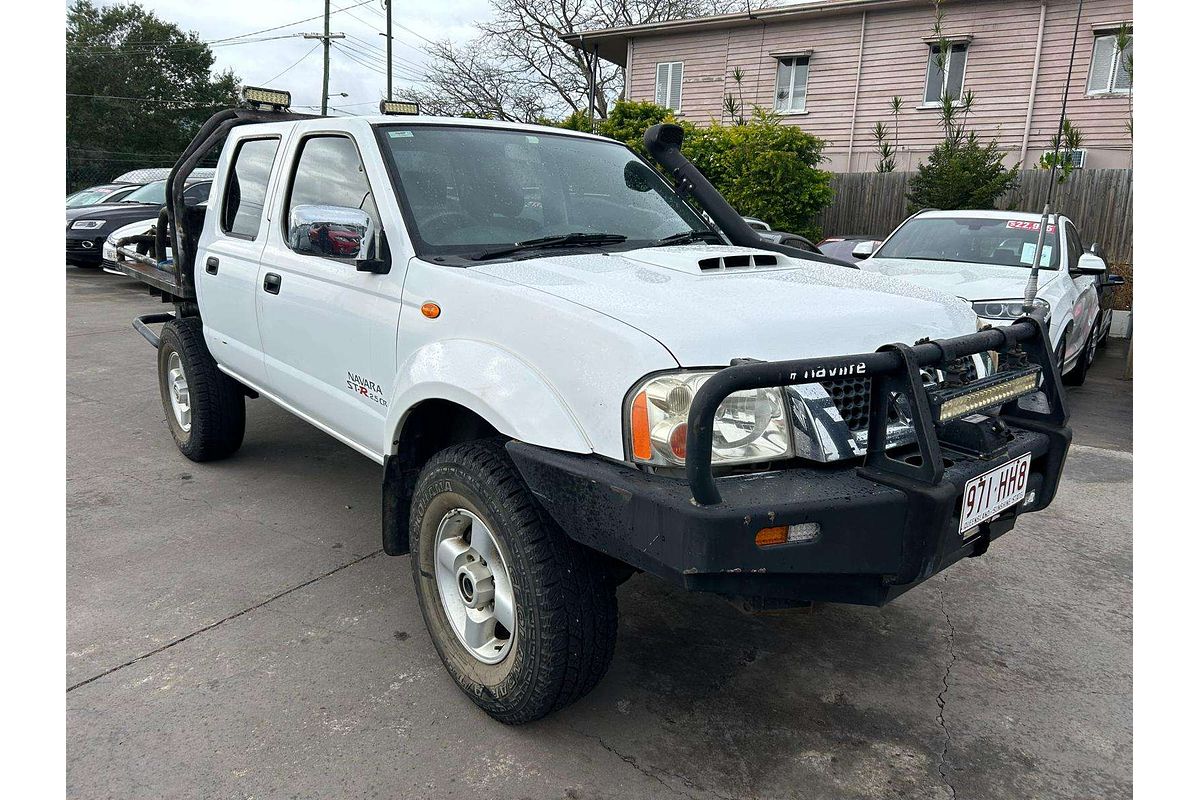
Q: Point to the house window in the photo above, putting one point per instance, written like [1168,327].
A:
[668,85]
[791,83]
[1110,66]
[945,73]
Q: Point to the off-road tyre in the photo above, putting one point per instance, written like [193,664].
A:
[564,596]
[217,402]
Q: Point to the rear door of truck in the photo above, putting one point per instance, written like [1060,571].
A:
[227,267]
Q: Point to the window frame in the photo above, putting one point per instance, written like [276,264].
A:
[1110,87]
[285,208]
[930,63]
[794,58]
[266,188]
[669,65]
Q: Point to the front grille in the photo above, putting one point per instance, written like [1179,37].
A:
[852,398]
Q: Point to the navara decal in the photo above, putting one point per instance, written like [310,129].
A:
[366,387]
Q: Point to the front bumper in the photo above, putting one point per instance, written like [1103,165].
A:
[85,247]
[885,524]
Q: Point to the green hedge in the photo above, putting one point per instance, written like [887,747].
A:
[764,169]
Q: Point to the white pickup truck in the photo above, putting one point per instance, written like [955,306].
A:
[571,368]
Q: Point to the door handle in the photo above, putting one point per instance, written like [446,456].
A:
[271,283]
[210,265]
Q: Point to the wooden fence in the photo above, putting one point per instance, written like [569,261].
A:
[1098,201]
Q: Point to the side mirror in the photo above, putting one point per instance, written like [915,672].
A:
[639,177]
[756,224]
[1096,249]
[1114,280]
[336,232]
[1091,264]
[865,249]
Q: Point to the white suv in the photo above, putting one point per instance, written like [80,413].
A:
[984,257]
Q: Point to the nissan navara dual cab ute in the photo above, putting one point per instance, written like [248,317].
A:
[571,368]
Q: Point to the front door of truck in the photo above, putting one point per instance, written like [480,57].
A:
[227,268]
[328,330]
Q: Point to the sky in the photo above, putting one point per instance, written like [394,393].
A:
[258,62]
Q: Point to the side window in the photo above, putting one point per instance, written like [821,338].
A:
[668,84]
[246,191]
[791,84]
[1074,245]
[196,193]
[944,74]
[329,173]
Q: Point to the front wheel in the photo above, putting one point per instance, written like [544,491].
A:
[523,618]
[1083,363]
[205,408]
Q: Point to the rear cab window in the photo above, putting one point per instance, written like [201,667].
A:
[246,190]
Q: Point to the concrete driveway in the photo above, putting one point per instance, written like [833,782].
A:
[233,631]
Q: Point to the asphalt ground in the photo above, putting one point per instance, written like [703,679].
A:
[234,632]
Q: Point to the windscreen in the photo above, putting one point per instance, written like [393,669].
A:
[87,197]
[153,193]
[468,189]
[998,241]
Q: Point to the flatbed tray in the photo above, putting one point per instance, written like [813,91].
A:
[138,267]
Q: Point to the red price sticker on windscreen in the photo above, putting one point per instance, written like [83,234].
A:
[1026,225]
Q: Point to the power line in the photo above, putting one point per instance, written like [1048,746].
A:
[271,80]
[148,100]
[126,51]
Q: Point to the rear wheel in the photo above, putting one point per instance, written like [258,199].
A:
[523,618]
[205,408]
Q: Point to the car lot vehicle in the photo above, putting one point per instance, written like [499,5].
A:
[984,257]
[99,195]
[566,375]
[146,175]
[848,248]
[767,234]
[138,237]
[88,227]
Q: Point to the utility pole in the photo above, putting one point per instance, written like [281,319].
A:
[388,5]
[325,75]
[325,38]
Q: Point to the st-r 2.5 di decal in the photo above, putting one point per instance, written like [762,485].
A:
[365,387]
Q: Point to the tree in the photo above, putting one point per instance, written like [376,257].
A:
[962,171]
[125,51]
[519,69]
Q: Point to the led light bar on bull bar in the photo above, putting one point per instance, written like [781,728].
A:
[257,97]
[951,404]
[399,107]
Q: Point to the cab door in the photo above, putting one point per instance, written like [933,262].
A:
[1086,301]
[227,269]
[328,329]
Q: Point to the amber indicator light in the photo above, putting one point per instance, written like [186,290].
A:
[431,310]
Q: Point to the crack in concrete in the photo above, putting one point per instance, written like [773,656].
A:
[653,775]
[222,621]
[943,766]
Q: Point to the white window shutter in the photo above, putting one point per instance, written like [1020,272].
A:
[1103,51]
[661,81]
[676,88]
[1121,79]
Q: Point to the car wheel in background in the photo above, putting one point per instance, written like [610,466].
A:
[205,408]
[1078,373]
[523,618]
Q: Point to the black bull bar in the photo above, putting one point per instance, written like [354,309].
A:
[895,370]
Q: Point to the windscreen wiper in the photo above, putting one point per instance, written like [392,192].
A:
[689,236]
[577,239]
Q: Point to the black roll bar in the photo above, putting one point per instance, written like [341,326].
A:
[211,132]
[893,369]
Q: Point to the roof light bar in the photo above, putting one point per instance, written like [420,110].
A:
[399,107]
[273,99]
[951,404]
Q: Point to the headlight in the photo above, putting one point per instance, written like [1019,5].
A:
[1010,309]
[87,224]
[749,426]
